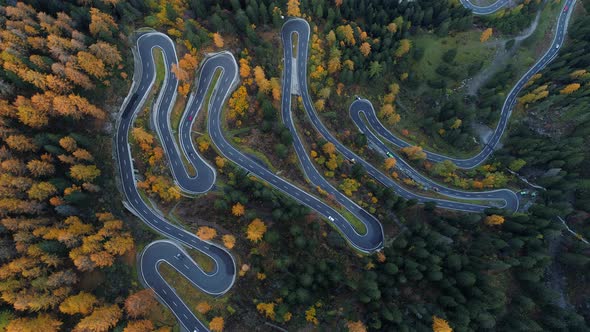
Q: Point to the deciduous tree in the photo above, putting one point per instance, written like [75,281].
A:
[293,8]
[238,210]
[218,40]
[86,173]
[570,88]
[494,219]
[101,320]
[140,304]
[206,233]
[82,303]
[229,241]
[256,230]
[440,325]
[389,163]
[216,324]
[486,34]
[414,152]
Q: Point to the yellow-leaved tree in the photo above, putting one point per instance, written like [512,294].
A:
[494,219]
[486,34]
[440,325]
[206,233]
[216,324]
[238,209]
[256,230]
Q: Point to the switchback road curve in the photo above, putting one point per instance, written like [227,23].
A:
[223,276]
[221,279]
[369,242]
[300,27]
[365,108]
[485,10]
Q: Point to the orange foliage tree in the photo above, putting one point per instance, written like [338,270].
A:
[216,324]
[256,230]
[83,303]
[238,210]
[140,304]
[494,219]
[102,319]
[486,34]
[414,152]
[440,325]
[229,241]
[206,233]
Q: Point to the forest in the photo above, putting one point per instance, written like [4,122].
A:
[68,247]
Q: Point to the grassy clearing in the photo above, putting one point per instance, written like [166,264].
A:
[354,221]
[160,69]
[295,44]
[210,90]
[469,51]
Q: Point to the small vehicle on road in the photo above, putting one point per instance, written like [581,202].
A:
[389,154]
[330,218]
[557,46]
[190,118]
[566,8]
[178,256]
[435,189]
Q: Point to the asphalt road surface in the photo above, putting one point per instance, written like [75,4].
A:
[507,199]
[222,278]
[368,242]
[364,106]
[485,10]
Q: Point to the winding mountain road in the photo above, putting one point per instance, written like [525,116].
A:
[221,279]
[364,107]
[220,73]
[507,199]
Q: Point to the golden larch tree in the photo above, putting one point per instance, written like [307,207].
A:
[229,241]
[238,210]
[570,88]
[357,326]
[260,78]
[365,49]
[43,322]
[494,219]
[293,8]
[216,324]
[440,325]
[486,34]
[256,230]
[403,48]
[389,163]
[102,319]
[203,307]
[82,303]
[206,233]
[143,325]
[329,148]
[85,173]
[101,23]
[218,40]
